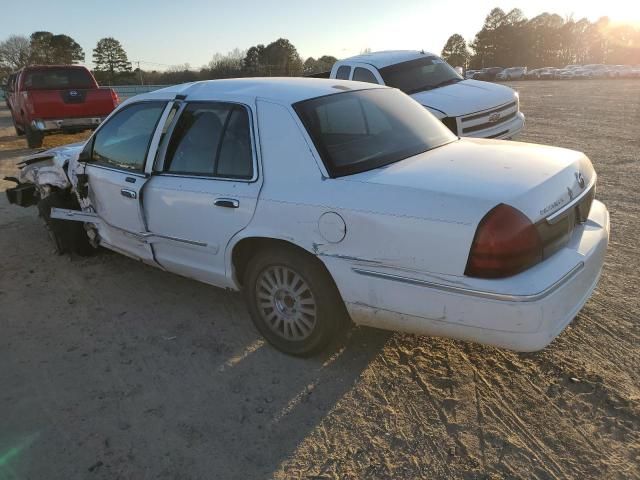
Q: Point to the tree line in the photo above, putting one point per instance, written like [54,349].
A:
[505,39]
[46,48]
[112,66]
[509,39]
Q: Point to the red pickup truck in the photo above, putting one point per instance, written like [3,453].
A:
[57,98]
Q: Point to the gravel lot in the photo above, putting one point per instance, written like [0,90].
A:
[113,370]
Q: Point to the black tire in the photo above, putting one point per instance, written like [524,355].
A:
[19,131]
[302,330]
[34,137]
[67,236]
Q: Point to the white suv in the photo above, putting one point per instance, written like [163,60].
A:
[469,108]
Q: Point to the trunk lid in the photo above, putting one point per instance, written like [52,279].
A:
[536,179]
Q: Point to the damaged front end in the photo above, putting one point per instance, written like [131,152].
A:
[51,180]
[42,173]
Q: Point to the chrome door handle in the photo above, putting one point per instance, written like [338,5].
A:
[227,202]
[128,193]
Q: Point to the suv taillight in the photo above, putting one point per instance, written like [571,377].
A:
[506,243]
[114,97]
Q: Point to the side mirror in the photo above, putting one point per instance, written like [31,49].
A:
[86,153]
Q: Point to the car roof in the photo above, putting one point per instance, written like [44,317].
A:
[389,57]
[279,89]
[47,67]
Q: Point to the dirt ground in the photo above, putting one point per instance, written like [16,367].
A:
[113,370]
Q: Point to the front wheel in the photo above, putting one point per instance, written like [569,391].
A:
[293,301]
[67,236]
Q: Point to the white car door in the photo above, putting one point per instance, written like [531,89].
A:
[115,175]
[205,191]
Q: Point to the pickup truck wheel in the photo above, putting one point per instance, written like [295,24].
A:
[19,131]
[292,301]
[67,236]
[34,137]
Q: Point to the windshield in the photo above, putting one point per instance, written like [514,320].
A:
[58,78]
[418,75]
[362,130]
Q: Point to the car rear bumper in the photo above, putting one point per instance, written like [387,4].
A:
[524,313]
[66,124]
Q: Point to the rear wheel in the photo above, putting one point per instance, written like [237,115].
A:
[34,137]
[292,300]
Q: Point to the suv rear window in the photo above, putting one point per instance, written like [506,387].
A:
[58,78]
[366,129]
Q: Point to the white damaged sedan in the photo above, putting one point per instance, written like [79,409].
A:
[324,200]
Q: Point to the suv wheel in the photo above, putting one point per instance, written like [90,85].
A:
[292,301]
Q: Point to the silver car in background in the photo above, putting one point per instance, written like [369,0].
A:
[512,73]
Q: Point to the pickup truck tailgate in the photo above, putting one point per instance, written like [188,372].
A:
[71,103]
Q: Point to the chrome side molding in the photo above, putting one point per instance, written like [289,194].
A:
[472,292]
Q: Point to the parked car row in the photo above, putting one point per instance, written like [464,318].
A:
[553,73]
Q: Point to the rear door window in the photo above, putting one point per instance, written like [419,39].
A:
[343,72]
[364,75]
[211,139]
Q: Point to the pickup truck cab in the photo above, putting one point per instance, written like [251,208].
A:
[469,108]
[57,98]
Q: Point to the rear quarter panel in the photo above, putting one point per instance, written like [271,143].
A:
[400,228]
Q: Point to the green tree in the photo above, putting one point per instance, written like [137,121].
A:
[110,60]
[279,58]
[49,49]
[455,51]
[253,60]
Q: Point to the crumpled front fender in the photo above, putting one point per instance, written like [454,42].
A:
[49,168]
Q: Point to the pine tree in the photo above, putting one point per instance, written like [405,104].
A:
[455,51]
[110,59]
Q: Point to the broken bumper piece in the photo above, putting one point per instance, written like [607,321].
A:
[23,194]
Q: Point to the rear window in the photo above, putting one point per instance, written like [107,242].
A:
[58,78]
[362,130]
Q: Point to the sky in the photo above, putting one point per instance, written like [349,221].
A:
[160,33]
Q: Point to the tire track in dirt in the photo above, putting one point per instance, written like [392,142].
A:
[513,423]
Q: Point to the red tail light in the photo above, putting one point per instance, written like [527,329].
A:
[506,243]
[115,98]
